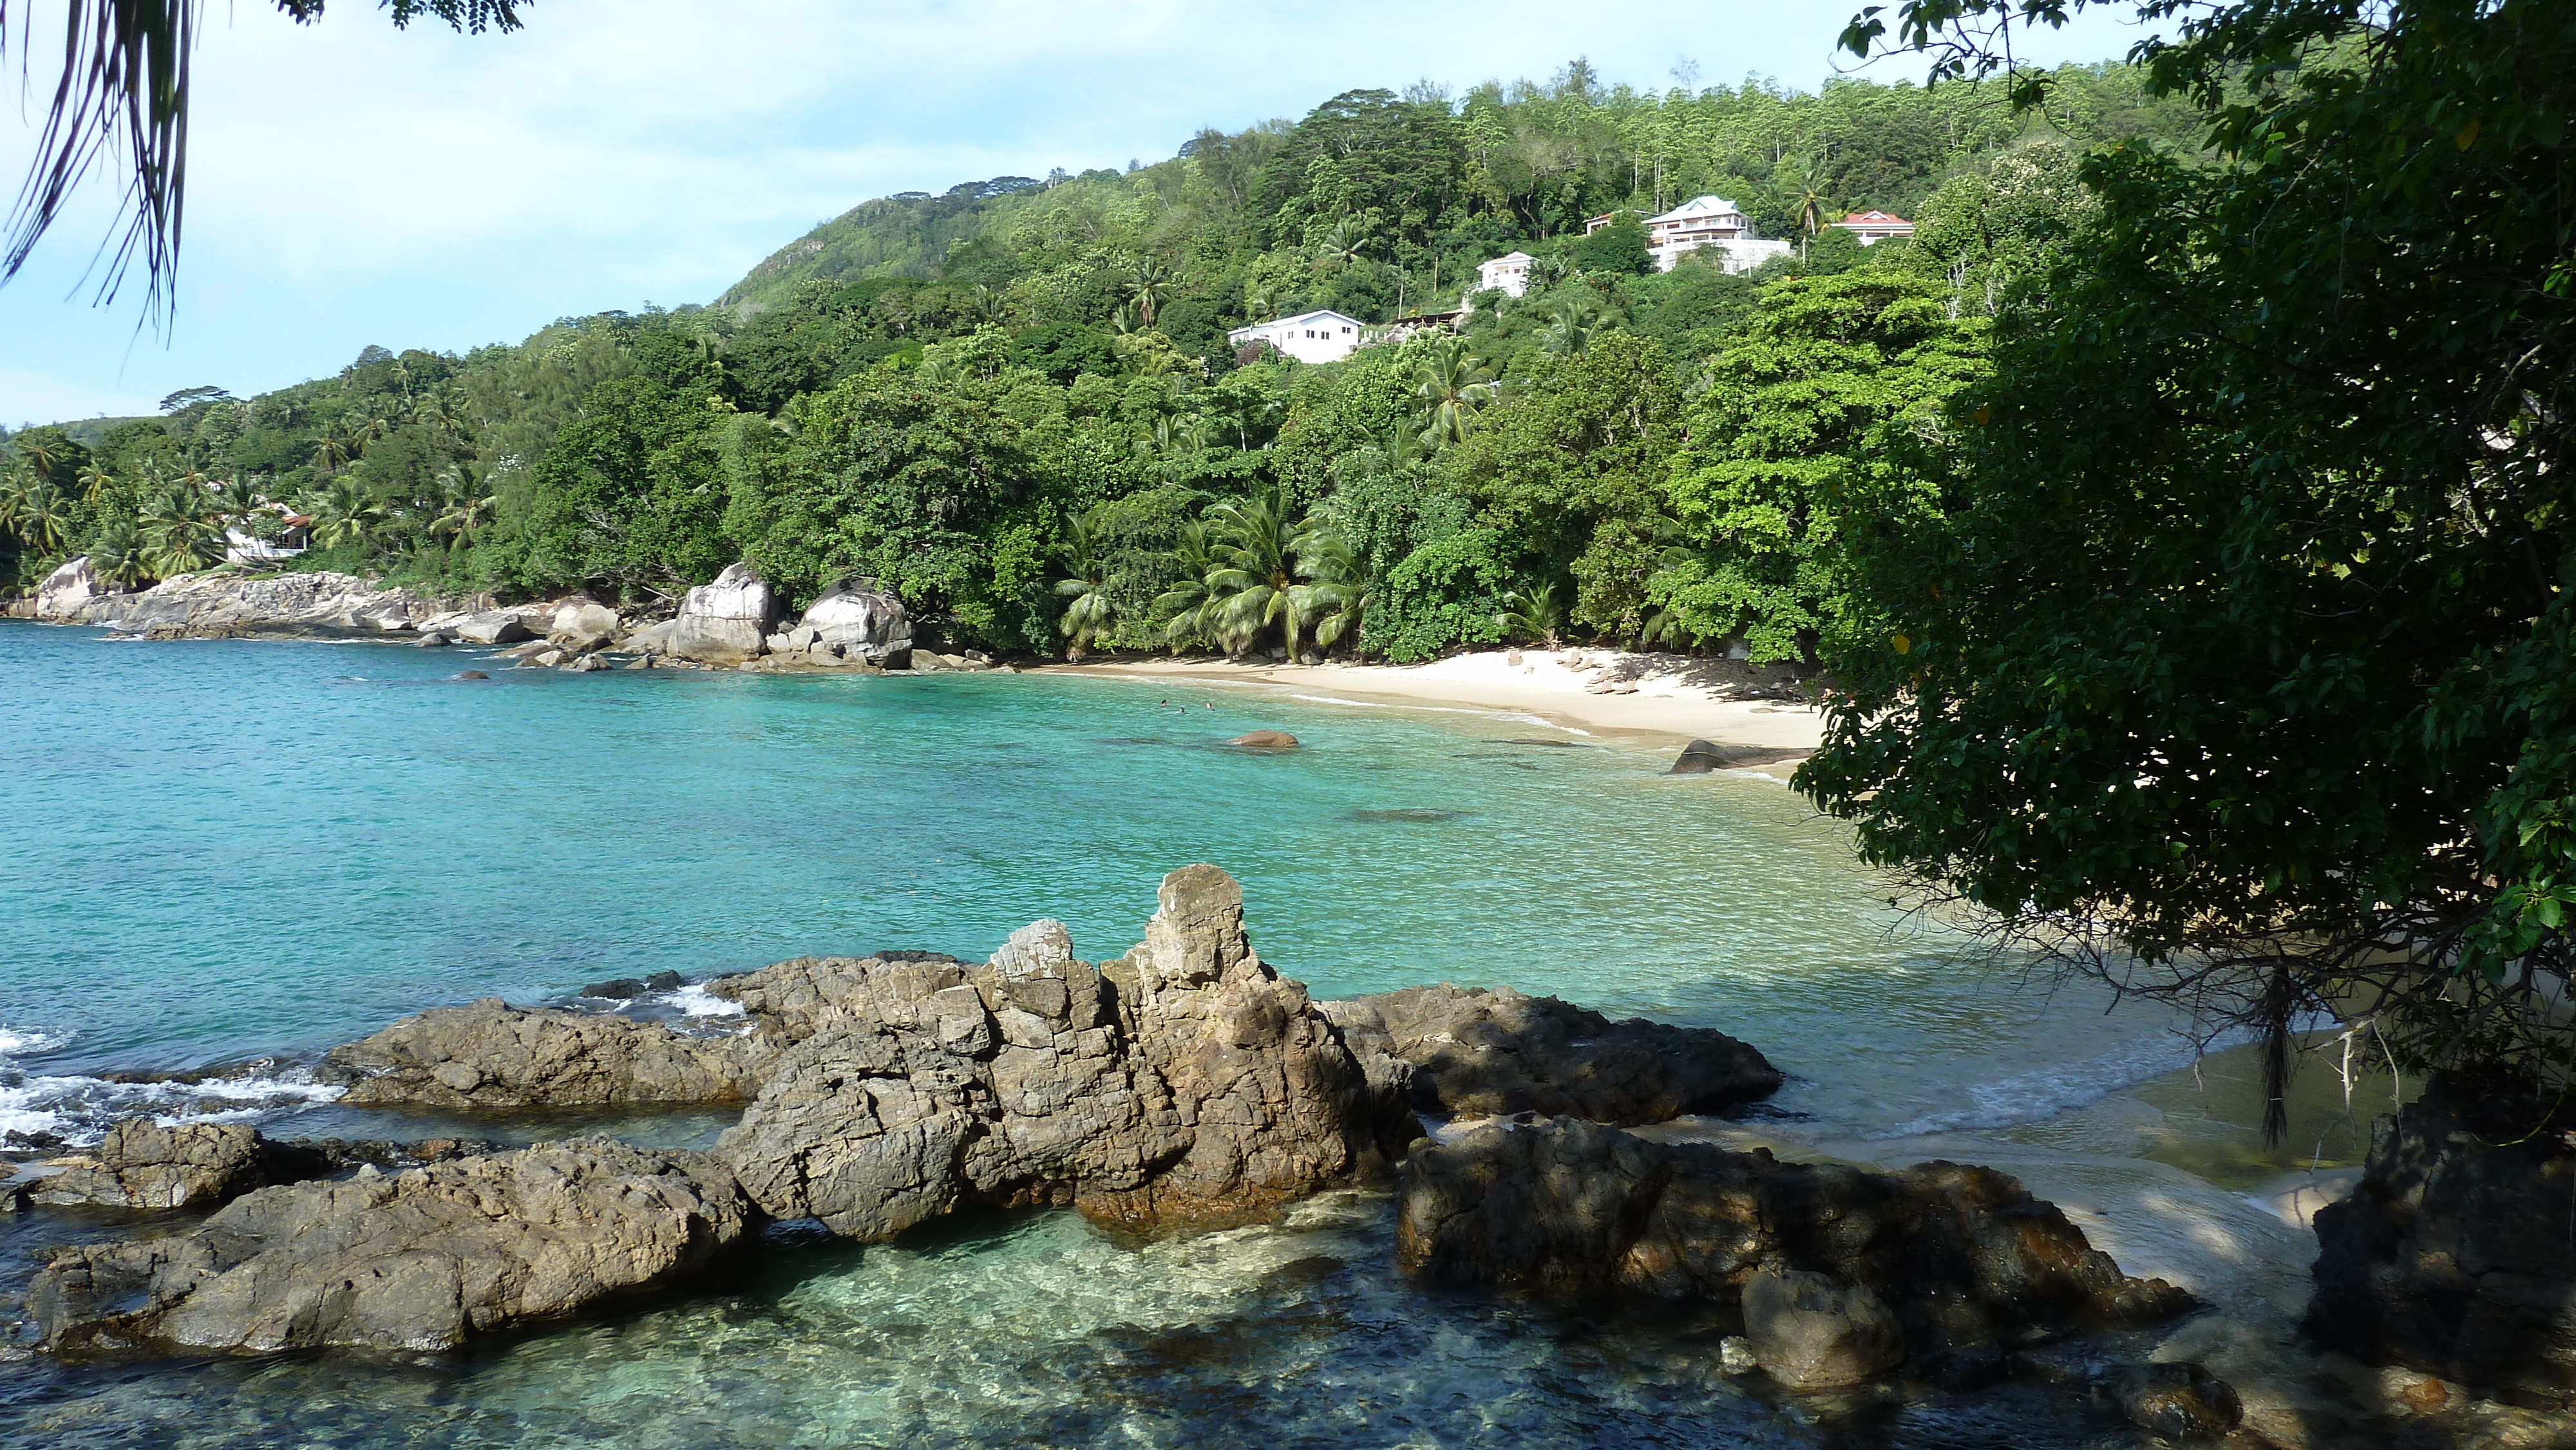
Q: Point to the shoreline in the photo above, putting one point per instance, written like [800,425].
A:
[1665,701]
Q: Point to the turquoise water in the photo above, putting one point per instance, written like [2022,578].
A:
[227,851]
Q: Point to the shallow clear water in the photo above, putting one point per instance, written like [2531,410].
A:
[229,850]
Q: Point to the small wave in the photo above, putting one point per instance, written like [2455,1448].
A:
[80,1110]
[2036,1097]
[20,1041]
[694,1000]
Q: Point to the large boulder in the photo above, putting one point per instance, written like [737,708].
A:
[582,625]
[68,589]
[493,626]
[425,1259]
[2453,1256]
[1481,1052]
[1966,1261]
[727,621]
[1185,1082]
[492,1055]
[146,1164]
[856,620]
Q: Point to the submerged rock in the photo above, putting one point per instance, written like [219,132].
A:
[1961,1257]
[1185,1082]
[2183,1403]
[492,1055]
[145,1164]
[1265,740]
[1698,758]
[424,1259]
[2453,1255]
[1481,1052]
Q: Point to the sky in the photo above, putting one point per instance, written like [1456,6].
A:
[350,184]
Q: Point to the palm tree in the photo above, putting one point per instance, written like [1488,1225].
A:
[344,513]
[179,536]
[1185,607]
[1150,286]
[469,503]
[1449,386]
[1089,613]
[1337,581]
[44,453]
[1272,569]
[39,514]
[116,555]
[1572,329]
[1533,614]
[95,483]
[1346,243]
[332,450]
[1807,188]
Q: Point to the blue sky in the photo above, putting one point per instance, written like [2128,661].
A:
[350,184]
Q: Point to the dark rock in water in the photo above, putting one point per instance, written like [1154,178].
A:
[2180,1402]
[493,1055]
[1266,740]
[1962,1258]
[433,640]
[469,675]
[143,1164]
[1182,1083]
[1418,814]
[1479,1052]
[629,988]
[2453,1255]
[1699,758]
[421,1260]
[1533,740]
[1702,756]
[16,1143]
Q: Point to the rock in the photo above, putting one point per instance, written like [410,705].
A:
[588,663]
[2453,1255]
[68,590]
[144,1164]
[724,622]
[1266,740]
[1963,1257]
[469,675]
[629,988]
[1812,1332]
[499,626]
[856,619]
[421,1260]
[544,659]
[1698,758]
[1183,1083]
[492,1055]
[221,605]
[1480,1053]
[2184,1403]
[1735,1355]
[583,625]
[434,640]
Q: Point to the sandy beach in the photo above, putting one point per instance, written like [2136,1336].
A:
[1660,699]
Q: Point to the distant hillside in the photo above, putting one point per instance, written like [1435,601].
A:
[904,235]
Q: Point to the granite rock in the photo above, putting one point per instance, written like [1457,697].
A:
[492,1055]
[145,1164]
[725,621]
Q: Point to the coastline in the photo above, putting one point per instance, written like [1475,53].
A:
[1664,701]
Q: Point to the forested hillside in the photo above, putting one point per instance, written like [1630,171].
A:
[1014,402]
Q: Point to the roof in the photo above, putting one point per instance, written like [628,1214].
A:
[1696,207]
[1509,257]
[1302,318]
[1873,219]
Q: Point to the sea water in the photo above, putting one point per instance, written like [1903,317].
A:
[232,854]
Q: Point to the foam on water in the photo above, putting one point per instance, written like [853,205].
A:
[80,1109]
[694,1000]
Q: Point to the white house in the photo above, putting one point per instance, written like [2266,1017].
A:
[1315,337]
[1873,227]
[1704,221]
[1508,273]
[244,547]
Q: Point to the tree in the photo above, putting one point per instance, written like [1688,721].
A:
[1537,614]
[2237,666]
[344,514]
[1150,286]
[124,91]
[1089,613]
[1449,387]
[1618,246]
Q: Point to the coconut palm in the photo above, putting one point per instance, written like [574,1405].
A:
[1346,243]
[1273,569]
[38,513]
[1807,190]
[116,554]
[95,482]
[1337,582]
[333,450]
[1448,389]
[1184,608]
[178,531]
[1537,614]
[1089,613]
[1150,286]
[1572,329]
[344,513]
[467,505]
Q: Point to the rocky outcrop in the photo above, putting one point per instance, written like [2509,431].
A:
[492,626]
[1478,1052]
[2453,1255]
[1964,1259]
[425,1259]
[68,590]
[492,1055]
[218,604]
[1185,1082]
[724,622]
[582,625]
[145,1164]
[855,620]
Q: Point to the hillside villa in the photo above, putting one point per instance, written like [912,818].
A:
[1873,227]
[1705,221]
[1314,337]
[1508,273]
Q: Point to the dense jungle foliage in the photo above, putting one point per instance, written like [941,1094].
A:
[1015,403]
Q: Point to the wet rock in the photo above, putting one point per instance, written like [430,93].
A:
[1265,740]
[1699,758]
[497,626]
[629,988]
[492,1055]
[587,664]
[1481,1052]
[1183,1083]
[144,1164]
[2183,1403]
[582,625]
[1810,1331]
[434,640]
[68,590]
[469,675]
[724,622]
[544,659]
[2453,1255]
[421,1260]
[1963,1257]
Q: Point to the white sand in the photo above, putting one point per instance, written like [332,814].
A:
[1670,698]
